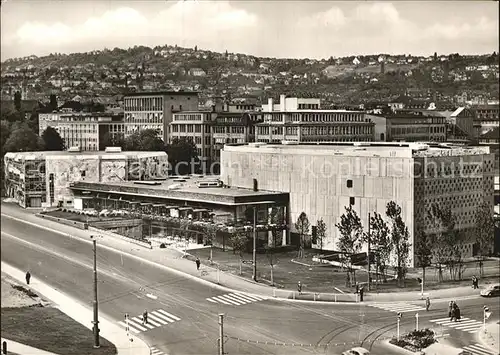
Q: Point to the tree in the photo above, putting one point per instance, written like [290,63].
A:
[379,239]
[272,261]
[275,219]
[52,140]
[400,240]
[320,232]
[5,131]
[484,231]
[423,251]
[351,234]
[182,155]
[115,140]
[302,227]
[435,56]
[22,139]
[147,140]
[53,105]
[17,101]
[239,242]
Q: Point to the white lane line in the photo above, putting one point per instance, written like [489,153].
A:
[471,327]
[156,319]
[440,320]
[462,324]
[236,299]
[259,298]
[139,320]
[211,300]
[168,314]
[156,352]
[163,317]
[479,348]
[228,299]
[136,325]
[246,297]
[221,300]
[124,325]
[239,298]
[153,321]
[252,297]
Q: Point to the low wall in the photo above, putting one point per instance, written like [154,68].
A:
[80,225]
[115,235]
[117,223]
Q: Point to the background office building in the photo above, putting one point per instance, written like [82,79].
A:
[85,130]
[155,110]
[42,179]
[323,180]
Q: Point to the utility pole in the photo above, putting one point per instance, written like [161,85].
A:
[254,277]
[369,237]
[96,309]
[221,334]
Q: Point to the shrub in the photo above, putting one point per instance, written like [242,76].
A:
[162,246]
[416,340]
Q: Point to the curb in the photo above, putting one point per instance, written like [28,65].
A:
[82,314]
[197,278]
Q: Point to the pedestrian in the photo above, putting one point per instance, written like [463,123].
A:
[198,262]
[474,282]
[299,287]
[427,303]
[457,314]
[450,308]
[347,281]
[357,287]
[145,317]
[361,293]
[477,282]
[28,278]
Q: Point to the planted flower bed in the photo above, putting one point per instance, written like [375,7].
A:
[416,340]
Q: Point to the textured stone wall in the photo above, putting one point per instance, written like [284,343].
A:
[113,170]
[318,184]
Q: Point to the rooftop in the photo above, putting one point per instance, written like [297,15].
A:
[378,149]
[150,93]
[43,154]
[187,190]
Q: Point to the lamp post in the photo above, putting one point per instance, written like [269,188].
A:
[96,304]
[254,257]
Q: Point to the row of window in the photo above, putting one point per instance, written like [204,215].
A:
[314,117]
[316,131]
[188,117]
[143,104]
[418,129]
[146,117]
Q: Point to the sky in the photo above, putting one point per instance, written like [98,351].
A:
[281,28]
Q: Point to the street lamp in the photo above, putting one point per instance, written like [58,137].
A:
[96,305]
[254,257]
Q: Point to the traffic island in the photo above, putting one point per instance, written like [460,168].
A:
[29,320]
[415,341]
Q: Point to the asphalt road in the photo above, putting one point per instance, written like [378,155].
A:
[191,320]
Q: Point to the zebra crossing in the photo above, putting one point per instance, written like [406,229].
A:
[465,324]
[478,349]
[156,351]
[156,319]
[236,299]
[397,307]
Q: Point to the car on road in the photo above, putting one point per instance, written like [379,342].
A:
[356,351]
[491,291]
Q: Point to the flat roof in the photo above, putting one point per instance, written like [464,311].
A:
[54,154]
[150,93]
[386,149]
[185,191]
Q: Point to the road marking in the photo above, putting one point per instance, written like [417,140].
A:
[397,307]
[157,319]
[168,314]
[124,325]
[465,324]
[156,351]
[164,317]
[478,349]
[136,324]
[211,300]
[236,299]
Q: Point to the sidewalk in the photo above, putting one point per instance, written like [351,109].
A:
[490,337]
[174,261]
[21,349]
[108,329]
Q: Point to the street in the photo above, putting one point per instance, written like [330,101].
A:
[184,313]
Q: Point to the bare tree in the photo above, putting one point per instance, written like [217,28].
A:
[302,226]
[379,239]
[351,234]
[271,257]
[400,240]
[423,252]
[484,233]
[320,232]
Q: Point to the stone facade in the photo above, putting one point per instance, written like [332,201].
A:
[323,180]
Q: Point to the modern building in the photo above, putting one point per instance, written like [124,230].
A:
[416,125]
[302,120]
[194,125]
[42,179]
[154,110]
[324,179]
[85,130]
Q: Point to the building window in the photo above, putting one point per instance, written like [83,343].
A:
[349,183]
[351,201]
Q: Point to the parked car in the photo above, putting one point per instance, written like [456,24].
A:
[491,291]
[356,351]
